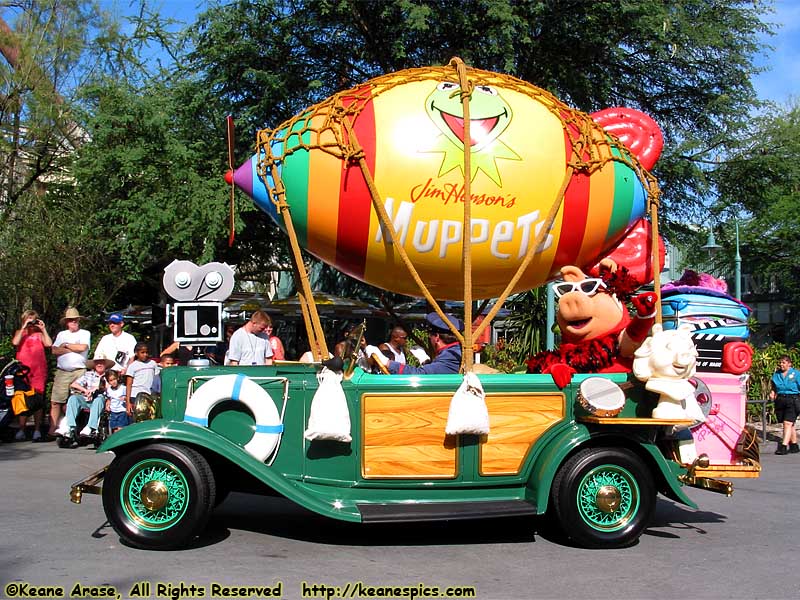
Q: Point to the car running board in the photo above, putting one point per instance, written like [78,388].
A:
[443,511]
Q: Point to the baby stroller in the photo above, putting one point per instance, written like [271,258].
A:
[6,413]
[27,402]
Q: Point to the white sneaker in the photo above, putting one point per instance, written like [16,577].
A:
[62,427]
[86,432]
[20,437]
[37,436]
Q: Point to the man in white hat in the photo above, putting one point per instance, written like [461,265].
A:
[71,348]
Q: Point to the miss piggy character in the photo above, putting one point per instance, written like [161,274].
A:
[598,334]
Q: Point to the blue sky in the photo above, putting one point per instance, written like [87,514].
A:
[780,83]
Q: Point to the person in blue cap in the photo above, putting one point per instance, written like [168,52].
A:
[446,347]
[116,346]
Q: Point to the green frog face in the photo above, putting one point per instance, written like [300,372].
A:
[489,116]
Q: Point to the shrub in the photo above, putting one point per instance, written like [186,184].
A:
[765,361]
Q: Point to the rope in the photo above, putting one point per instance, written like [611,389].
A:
[389,235]
[540,237]
[654,254]
[316,336]
[465,91]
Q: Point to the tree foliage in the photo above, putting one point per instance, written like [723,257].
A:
[146,187]
[760,184]
[147,176]
[43,255]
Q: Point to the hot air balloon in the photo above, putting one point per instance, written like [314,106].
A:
[530,153]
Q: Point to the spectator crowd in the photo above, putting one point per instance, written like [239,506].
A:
[91,398]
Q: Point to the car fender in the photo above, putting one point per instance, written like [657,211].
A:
[566,442]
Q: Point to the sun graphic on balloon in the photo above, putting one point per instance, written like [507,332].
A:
[490,115]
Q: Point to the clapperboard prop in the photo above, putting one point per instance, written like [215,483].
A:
[716,319]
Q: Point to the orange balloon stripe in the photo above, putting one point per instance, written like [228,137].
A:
[594,239]
[323,210]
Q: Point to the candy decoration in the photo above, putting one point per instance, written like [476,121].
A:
[736,357]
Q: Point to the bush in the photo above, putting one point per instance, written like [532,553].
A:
[504,357]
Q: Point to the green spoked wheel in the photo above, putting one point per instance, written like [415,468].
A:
[159,496]
[155,494]
[604,497]
[608,496]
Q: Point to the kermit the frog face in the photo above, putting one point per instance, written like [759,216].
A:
[489,114]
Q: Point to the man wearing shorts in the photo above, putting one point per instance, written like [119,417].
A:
[786,395]
[71,348]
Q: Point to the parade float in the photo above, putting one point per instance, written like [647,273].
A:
[380,182]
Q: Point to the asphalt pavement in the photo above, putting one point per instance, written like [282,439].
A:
[738,547]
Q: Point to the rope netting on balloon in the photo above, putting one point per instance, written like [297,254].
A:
[324,126]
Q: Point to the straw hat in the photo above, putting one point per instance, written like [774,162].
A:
[71,313]
[91,363]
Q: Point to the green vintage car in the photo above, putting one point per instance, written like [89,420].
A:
[373,180]
[546,453]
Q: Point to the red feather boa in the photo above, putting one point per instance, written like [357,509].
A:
[589,356]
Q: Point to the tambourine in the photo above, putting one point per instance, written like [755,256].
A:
[601,397]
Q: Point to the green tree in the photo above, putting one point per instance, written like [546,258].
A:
[688,63]
[155,193]
[55,242]
[760,183]
[42,44]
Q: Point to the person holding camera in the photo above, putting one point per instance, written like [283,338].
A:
[30,340]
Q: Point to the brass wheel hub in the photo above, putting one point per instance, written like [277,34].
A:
[608,498]
[154,495]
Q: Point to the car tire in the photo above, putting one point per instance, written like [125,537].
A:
[159,496]
[604,497]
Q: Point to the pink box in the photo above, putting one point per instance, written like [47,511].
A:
[725,417]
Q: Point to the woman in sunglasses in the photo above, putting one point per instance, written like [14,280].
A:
[597,333]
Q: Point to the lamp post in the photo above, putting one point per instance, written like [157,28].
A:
[737,267]
[712,246]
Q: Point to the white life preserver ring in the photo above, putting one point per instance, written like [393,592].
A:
[239,387]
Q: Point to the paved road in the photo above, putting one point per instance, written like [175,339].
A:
[739,547]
